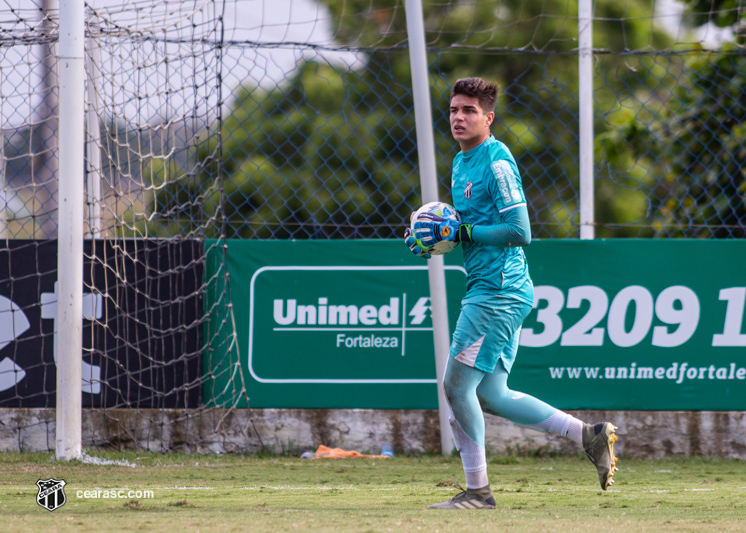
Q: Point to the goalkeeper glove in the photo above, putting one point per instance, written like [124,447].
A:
[414,245]
[437,229]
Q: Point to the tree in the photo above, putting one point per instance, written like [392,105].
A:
[529,48]
[722,13]
[694,148]
[322,156]
[705,137]
[332,152]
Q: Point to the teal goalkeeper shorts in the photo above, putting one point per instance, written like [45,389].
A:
[488,331]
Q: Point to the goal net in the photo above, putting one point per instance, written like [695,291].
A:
[160,361]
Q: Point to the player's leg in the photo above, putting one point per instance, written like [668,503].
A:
[478,339]
[467,421]
[525,410]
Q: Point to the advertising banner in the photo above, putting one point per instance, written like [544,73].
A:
[335,324]
[636,325]
[623,324]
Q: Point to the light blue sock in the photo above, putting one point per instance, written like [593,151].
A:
[522,409]
[467,421]
[460,383]
[471,391]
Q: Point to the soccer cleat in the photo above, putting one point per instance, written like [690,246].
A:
[466,500]
[598,441]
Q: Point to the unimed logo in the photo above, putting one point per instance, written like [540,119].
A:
[340,325]
[362,324]
[287,312]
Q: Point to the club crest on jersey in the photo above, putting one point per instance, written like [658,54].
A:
[51,493]
[467,190]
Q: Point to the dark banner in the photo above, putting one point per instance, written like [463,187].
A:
[141,323]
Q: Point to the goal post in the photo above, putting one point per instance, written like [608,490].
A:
[429,186]
[70,234]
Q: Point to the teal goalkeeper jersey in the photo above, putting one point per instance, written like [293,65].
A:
[485,184]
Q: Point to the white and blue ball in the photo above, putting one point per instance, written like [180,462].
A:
[438,209]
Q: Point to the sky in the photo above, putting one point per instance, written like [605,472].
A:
[272,22]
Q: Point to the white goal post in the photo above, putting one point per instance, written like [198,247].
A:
[429,185]
[70,234]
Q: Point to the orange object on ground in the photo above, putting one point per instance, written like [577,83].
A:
[324,452]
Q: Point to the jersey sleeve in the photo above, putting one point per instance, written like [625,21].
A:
[506,184]
[515,231]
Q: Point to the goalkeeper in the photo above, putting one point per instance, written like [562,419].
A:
[487,193]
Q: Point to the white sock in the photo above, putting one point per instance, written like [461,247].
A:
[558,424]
[473,456]
[476,480]
[562,424]
[575,430]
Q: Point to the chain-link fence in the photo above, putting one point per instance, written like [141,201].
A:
[330,150]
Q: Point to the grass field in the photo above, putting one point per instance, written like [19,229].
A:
[247,493]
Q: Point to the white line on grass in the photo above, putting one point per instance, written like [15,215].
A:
[298,488]
[428,489]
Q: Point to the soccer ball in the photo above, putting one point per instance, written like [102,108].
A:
[437,209]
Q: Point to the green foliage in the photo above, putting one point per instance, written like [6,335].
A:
[722,13]
[691,155]
[324,155]
[707,138]
[331,153]
[523,45]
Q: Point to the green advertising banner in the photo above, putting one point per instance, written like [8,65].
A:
[636,325]
[336,324]
[627,325]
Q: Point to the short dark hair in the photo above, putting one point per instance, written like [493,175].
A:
[484,91]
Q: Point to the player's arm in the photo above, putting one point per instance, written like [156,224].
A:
[514,231]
